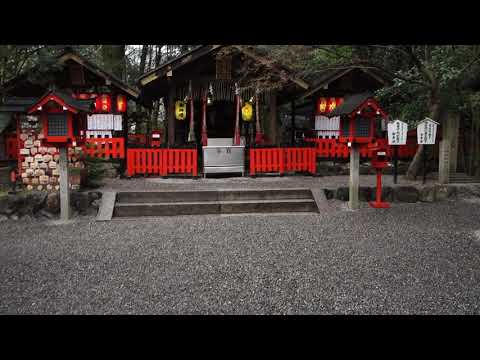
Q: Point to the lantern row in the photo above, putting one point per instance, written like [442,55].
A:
[103,102]
[327,105]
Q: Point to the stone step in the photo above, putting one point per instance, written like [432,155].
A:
[214,207]
[211,196]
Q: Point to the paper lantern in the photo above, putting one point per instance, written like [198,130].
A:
[121,103]
[327,105]
[103,103]
[180,110]
[247,112]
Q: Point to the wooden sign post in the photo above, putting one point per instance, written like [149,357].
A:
[426,135]
[64,190]
[354,203]
[397,135]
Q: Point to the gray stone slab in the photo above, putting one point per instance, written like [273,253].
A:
[105,212]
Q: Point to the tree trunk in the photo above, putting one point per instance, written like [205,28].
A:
[435,114]
[143,59]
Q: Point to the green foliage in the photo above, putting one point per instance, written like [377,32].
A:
[95,171]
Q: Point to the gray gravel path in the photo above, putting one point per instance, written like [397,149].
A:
[411,259]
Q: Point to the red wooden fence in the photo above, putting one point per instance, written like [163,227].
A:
[11,146]
[282,160]
[105,148]
[162,162]
[332,148]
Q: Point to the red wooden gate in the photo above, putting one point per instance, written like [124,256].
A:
[105,148]
[162,162]
[281,160]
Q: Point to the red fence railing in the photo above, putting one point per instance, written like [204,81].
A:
[332,148]
[108,148]
[281,160]
[162,162]
[11,144]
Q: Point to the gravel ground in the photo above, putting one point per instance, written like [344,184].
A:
[411,259]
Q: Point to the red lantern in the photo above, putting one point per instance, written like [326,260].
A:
[103,103]
[121,103]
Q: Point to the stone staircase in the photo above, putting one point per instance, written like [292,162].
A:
[462,178]
[457,178]
[173,203]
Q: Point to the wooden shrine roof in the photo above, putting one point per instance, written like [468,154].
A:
[69,55]
[18,104]
[155,83]
[351,104]
[323,79]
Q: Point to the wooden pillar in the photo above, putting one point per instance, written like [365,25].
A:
[64,190]
[450,132]
[444,162]
[273,127]
[171,116]
[354,183]
[125,147]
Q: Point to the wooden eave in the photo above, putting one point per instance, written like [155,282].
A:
[109,78]
[337,74]
[176,63]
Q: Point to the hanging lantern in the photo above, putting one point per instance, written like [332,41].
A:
[121,103]
[322,105]
[327,105]
[247,112]
[332,104]
[180,110]
[103,103]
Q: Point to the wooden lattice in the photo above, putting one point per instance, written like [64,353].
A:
[224,68]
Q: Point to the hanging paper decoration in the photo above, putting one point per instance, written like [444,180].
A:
[247,112]
[180,110]
[191,132]
[236,136]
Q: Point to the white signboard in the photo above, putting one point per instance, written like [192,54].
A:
[397,132]
[427,132]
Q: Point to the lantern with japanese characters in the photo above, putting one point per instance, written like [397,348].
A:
[327,105]
[181,110]
[121,103]
[103,103]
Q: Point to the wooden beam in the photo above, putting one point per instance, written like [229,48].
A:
[171,116]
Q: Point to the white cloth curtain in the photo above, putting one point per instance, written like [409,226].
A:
[327,127]
[105,122]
